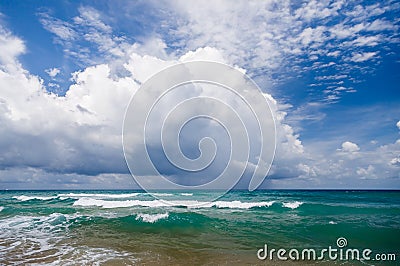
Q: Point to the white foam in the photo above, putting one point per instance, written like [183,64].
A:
[162,194]
[33,234]
[1,208]
[50,221]
[187,194]
[99,195]
[332,222]
[41,238]
[84,255]
[26,198]
[107,204]
[86,202]
[151,218]
[242,205]
[292,205]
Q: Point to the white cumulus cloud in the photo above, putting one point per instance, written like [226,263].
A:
[348,146]
[53,72]
[80,133]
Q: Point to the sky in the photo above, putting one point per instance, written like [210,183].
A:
[328,69]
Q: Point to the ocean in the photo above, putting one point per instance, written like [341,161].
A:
[135,228]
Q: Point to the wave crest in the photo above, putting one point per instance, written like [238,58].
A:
[98,195]
[292,205]
[87,202]
[152,218]
[26,198]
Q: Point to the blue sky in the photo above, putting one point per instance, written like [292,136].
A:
[330,69]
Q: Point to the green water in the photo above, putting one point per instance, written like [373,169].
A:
[132,227]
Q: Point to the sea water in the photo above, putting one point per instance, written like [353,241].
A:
[181,228]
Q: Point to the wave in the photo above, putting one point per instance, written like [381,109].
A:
[292,205]
[1,208]
[44,225]
[99,195]
[35,225]
[76,196]
[26,198]
[87,202]
[162,194]
[35,239]
[28,236]
[187,194]
[152,218]
[107,204]
[242,205]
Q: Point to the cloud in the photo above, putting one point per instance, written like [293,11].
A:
[50,132]
[333,93]
[10,48]
[317,9]
[63,30]
[348,146]
[91,17]
[86,38]
[381,25]
[366,172]
[80,133]
[362,57]
[331,77]
[287,34]
[53,85]
[272,40]
[334,53]
[351,167]
[53,72]
[395,161]
[38,179]
[366,41]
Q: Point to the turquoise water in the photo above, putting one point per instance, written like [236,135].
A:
[133,227]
